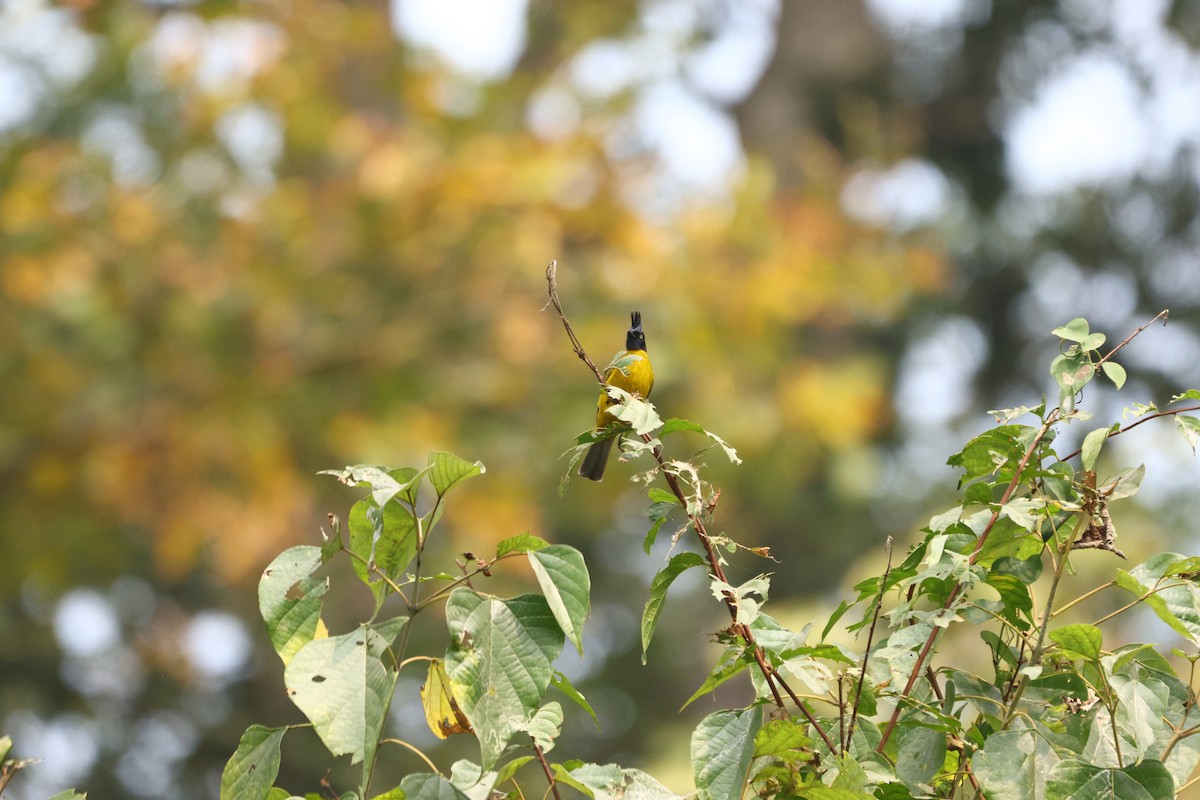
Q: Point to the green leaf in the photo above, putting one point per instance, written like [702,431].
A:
[1082,641]
[830,793]
[658,593]
[546,725]
[394,530]
[611,782]
[1013,592]
[290,598]
[521,543]
[1176,601]
[781,737]
[383,486]
[635,412]
[732,661]
[1027,570]
[1014,765]
[920,752]
[992,450]
[1115,373]
[1072,373]
[1124,484]
[1073,779]
[427,786]
[564,685]
[722,748]
[471,779]
[1190,428]
[447,470]
[1091,447]
[342,686]
[254,765]
[672,425]
[69,794]
[657,495]
[510,768]
[1143,702]
[563,576]
[499,662]
[1076,330]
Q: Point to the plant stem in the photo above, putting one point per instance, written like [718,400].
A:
[541,757]
[1128,606]
[1083,597]
[870,638]
[1035,656]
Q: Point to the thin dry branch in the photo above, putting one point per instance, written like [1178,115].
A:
[552,287]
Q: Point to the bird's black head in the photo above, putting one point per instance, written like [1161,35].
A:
[635,339]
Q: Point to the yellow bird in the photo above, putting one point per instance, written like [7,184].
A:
[630,370]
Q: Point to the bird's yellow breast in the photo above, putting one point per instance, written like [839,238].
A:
[630,371]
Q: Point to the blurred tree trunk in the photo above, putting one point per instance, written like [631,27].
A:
[822,49]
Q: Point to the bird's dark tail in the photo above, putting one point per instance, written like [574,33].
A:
[596,459]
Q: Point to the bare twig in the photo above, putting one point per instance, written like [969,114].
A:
[1131,426]
[541,757]
[1166,312]
[552,287]
[870,636]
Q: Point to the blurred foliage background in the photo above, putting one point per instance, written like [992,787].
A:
[243,242]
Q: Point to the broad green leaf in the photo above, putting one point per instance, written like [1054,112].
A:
[290,598]
[1115,373]
[1091,447]
[672,425]
[447,470]
[1124,484]
[1190,428]
[521,543]
[254,766]
[68,794]
[383,486]
[1007,539]
[1014,765]
[722,748]
[395,536]
[427,786]
[545,725]
[510,768]
[1178,604]
[1024,511]
[831,793]
[1142,704]
[658,593]
[1076,330]
[920,750]
[470,779]
[499,662]
[635,412]
[990,451]
[1079,640]
[1093,341]
[1014,593]
[342,686]
[657,495]
[781,737]
[563,684]
[1190,394]
[1072,372]
[563,577]
[1027,570]
[732,661]
[1072,779]
[611,782]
